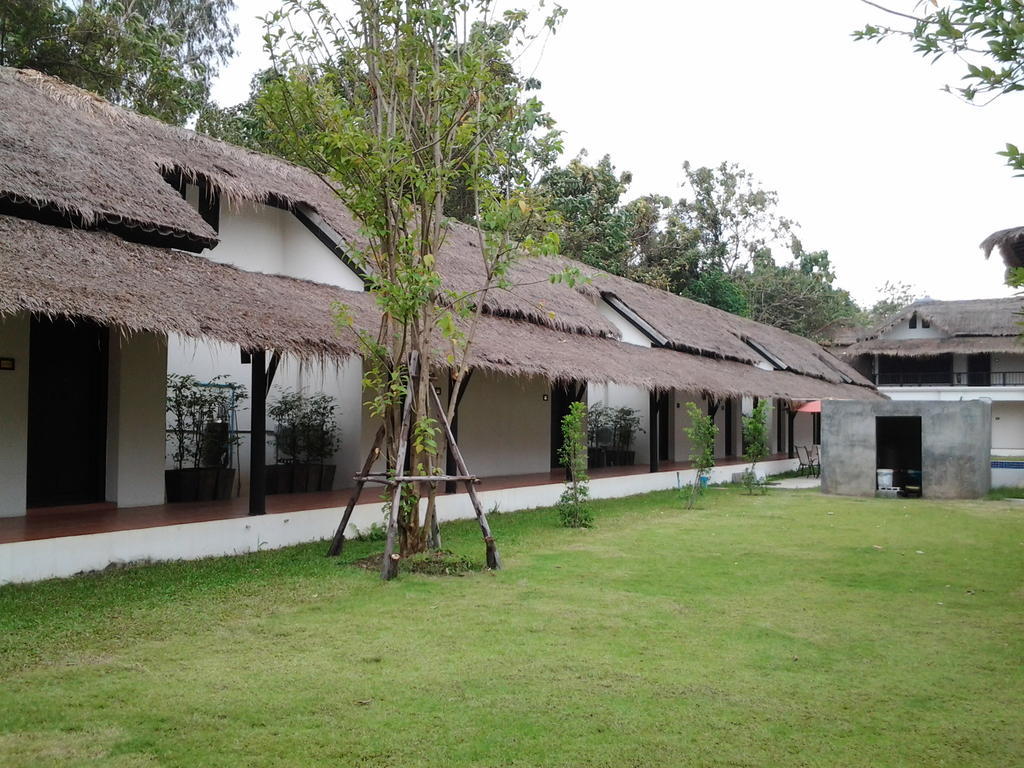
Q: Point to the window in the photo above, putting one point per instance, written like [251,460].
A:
[776,362]
[925,323]
[913,320]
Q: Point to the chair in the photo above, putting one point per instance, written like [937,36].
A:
[804,457]
[814,459]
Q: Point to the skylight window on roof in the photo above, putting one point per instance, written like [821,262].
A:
[774,360]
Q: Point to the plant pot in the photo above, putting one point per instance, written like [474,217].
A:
[225,483]
[627,458]
[181,485]
[597,458]
[207,483]
[278,478]
[300,478]
[326,477]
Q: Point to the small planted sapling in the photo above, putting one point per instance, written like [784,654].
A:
[755,444]
[574,503]
[702,433]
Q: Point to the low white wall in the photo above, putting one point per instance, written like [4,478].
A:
[67,556]
[1008,477]
[136,414]
[14,341]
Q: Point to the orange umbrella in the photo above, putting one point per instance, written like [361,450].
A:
[814,406]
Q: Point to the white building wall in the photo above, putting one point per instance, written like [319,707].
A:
[505,425]
[1008,429]
[14,340]
[904,331]
[136,395]
[263,238]
[343,382]
[618,396]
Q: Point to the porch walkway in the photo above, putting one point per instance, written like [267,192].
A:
[104,518]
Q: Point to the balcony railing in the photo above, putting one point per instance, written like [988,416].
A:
[951,379]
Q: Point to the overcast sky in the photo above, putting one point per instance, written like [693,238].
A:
[895,178]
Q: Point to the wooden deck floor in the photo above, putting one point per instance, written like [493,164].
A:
[102,518]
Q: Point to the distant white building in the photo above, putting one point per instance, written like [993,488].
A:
[953,350]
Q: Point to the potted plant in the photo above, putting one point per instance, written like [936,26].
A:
[286,410]
[625,424]
[319,440]
[305,437]
[598,435]
[201,437]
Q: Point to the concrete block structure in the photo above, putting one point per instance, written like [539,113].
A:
[948,443]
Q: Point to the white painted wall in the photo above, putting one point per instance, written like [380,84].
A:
[618,396]
[136,392]
[904,331]
[343,382]
[505,425]
[1007,429]
[630,334]
[262,238]
[14,341]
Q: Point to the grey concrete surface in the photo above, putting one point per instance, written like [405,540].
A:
[956,445]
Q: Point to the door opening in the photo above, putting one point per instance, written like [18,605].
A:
[898,455]
[67,412]
[563,394]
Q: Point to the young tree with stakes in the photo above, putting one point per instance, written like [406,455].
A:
[394,108]
[755,443]
[701,433]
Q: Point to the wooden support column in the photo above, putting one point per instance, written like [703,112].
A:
[652,429]
[730,440]
[778,427]
[789,432]
[258,435]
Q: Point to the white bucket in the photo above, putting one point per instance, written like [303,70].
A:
[884,478]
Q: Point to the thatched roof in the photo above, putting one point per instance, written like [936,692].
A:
[970,326]
[60,271]
[75,273]
[102,165]
[1009,243]
[700,329]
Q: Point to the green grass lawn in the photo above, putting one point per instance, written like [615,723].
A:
[789,629]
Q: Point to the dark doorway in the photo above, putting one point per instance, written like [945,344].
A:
[979,370]
[67,412]
[562,396]
[664,427]
[898,448]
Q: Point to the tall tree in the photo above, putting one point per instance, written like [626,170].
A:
[799,296]
[396,107]
[157,57]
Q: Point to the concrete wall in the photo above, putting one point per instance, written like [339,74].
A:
[955,446]
[136,395]
[14,338]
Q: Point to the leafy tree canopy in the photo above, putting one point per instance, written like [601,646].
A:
[986,35]
[157,57]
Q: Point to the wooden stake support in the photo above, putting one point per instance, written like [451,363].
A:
[389,566]
[339,535]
